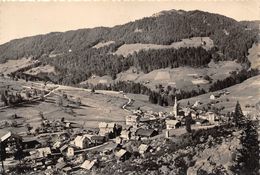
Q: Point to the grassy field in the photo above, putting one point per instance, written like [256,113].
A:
[183,77]
[127,49]
[41,69]
[254,56]
[247,93]
[13,65]
[94,108]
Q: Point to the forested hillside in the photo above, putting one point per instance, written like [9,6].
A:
[76,60]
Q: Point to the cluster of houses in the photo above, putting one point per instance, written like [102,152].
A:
[65,147]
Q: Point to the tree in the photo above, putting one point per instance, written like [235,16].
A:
[238,116]
[59,101]
[2,155]
[78,102]
[93,90]
[29,127]
[19,154]
[188,121]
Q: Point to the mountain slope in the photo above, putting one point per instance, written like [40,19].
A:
[74,57]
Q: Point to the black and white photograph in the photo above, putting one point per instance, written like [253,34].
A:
[129,87]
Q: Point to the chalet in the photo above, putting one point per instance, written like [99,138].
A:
[60,166]
[210,116]
[67,170]
[88,165]
[122,155]
[143,148]
[172,124]
[146,132]
[67,150]
[214,96]
[43,152]
[126,135]
[82,142]
[10,141]
[106,128]
[97,140]
[200,121]
[132,120]
[111,147]
[30,142]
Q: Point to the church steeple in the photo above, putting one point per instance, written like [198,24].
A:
[175,107]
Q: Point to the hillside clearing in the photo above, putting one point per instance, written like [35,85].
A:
[254,56]
[127,49]
[13,65]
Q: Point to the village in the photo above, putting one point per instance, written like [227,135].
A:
[66,147]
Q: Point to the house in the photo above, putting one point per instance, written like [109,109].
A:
[82,142]
[70,151]
[43,152]
[132,120]
[197,103]
[122,155]
[97,140]
[200,121]
[214,96]
[106,128]
[143,148]
[125,134]
[30,142]
[67,170]
[111,147]
[172,124]
[146,132]
[10,141]
[211,117]
[60,165]
[88,165]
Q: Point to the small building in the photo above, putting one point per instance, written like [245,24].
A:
[132,120]
[146,132]
[88,165]
[82,142]
[143,148]
[172,124]
[106,128]
[10,141]
[43,152]
[200,121]
[211,117]
[214,96]
[122,155]
[30,142]
[125,134]
[97,140]
[70,151]
[111,147]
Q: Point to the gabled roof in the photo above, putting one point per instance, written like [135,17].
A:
[60,165]
[8,135]
[87,164]
[120,153]
[63,147]
[110,147]
[98,138]
[143,148]
[145,132]
[80,138]
[171,122]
